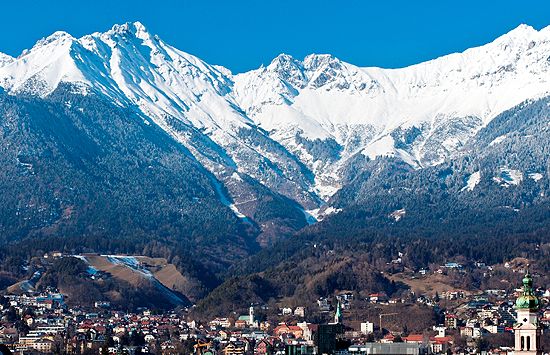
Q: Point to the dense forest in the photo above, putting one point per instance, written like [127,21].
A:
[103,180]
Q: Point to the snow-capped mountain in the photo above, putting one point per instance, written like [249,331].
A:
[185,96]
[422,113]
[294,126]
[5,59]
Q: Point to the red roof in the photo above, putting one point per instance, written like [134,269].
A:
[414,338]
[441,340]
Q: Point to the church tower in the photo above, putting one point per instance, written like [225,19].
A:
[338,314]
[251,315]
[527,329]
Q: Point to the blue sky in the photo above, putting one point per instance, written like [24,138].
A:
[242,35]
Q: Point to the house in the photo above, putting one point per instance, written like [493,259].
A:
[344,297]
[416,338]
[240,323]
[378,297]
[300,312]
[220,322]
[263,347]
[308,330]
[440,346]
[494,329]
[43,345]
[453,265]
[467,331]
[286,311]
[451,321]
[265,326]
[284,329]
[235,348]
[324,304]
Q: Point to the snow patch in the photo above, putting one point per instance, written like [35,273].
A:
[312,216]
[508,177]
[90,270]
[472,181]
[236,176]
[397,215]
[331,210]
[497,140]
[225,200]
[380,148]
[535,176]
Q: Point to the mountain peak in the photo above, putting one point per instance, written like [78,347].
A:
[134,29]
[288,69]
[58,37]
[283,62]
[5,59]
[314,61]
[523,29]
[521,34]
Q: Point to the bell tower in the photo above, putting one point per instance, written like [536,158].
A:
[251,315]
[527,328]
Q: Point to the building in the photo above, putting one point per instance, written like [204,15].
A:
[451,321]
[527,331]
[299,349]
[338,314]
[235,348]
[383,349]
[251,316]
[263,347]
[300,312]
[367,327]
[326,337]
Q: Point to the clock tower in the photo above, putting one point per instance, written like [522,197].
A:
[527,329]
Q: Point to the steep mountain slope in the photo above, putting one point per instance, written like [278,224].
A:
[499,177]
[180,93]
[77,167]
[5,59]
[327,111]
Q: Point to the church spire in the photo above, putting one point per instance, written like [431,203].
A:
[527,300]
[338,314]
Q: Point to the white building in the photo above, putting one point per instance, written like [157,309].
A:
[367,327]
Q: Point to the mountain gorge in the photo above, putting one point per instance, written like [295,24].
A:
[120,142]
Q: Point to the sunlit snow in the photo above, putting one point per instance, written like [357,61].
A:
[472,181]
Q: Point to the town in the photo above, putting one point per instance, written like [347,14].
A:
[43,323]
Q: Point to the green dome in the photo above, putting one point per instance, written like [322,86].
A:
[528,300]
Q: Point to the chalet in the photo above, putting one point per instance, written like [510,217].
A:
[378,297]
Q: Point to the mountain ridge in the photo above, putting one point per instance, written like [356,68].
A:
[293,126]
